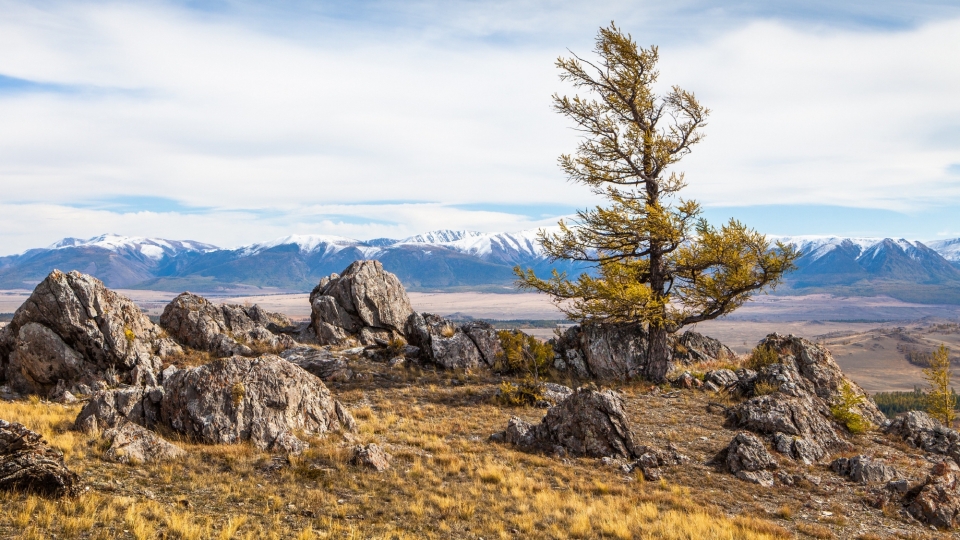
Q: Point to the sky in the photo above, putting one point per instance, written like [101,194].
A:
[233,122]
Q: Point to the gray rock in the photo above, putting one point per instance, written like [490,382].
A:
[72,328]
[111,408]
[691,347]
[722,377]
[320,362]
[364,296]
[28,464]
[816,365]
[747,453]
[803,418]
[763,478]
[938,502]
[864,470]
[223,330]
[484,336]
[922,431]
[370,456]
[131,443]
[587,423]
[556,392]
[264,400]
[449,344]
[619,351]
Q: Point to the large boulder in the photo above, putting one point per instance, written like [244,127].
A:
[587,423]
[224,329]
[29,465]
[864,469]
[73,329]
[131,443]
[113,407]
[453,345]
[265,400]
[792,400]
[364,303]
[619,351]
[321,362]
[937,503]
[749,460]
[690,347]
[920,430]
[814,363]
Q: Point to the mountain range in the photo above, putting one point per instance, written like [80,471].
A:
[460,260]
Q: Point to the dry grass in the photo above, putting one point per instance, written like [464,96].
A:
[446,481]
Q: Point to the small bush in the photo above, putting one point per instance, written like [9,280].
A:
[237,392]
[523,354]
[448,330]
[764,388]
[523,393]
[396,345]
[128,333]
[844,410]
[763,355]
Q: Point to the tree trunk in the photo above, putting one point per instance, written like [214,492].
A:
[658,354]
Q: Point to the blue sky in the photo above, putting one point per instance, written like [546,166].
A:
[233,122]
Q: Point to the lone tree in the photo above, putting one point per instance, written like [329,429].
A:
[656,260]
[941,401]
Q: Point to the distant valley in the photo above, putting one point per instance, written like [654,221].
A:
[920,272]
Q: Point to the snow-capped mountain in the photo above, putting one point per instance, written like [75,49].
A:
[455,259]
[948,249]
[152,248]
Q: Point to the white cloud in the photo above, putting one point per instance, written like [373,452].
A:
[269,129]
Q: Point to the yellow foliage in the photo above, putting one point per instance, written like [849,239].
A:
[941,401]
[656,259]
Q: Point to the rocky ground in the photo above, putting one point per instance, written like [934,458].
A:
[373,420]
[447,480]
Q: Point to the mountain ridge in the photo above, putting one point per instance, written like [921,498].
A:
[461,260]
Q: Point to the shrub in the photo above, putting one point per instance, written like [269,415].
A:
[762,355]
[525,392]
[396,345]
[844,410]
[764,388]
[237,392]
[128,333]
[523,354]
[448,330]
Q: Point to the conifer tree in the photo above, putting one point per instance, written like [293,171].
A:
[941,401]
[656,260]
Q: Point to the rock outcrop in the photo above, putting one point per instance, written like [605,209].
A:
[265,400]
[453,345]
[364,303]
[111,408]
[619,351]
[690,347]
[796,413]
[920,430]
[73,329]
[864,470]
[587,423]
[28,464]
[320,362]
[937,503]
[748,459]
[370,456]
[225,329]
[130,443]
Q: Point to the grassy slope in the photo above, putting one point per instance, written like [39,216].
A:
[447,481]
